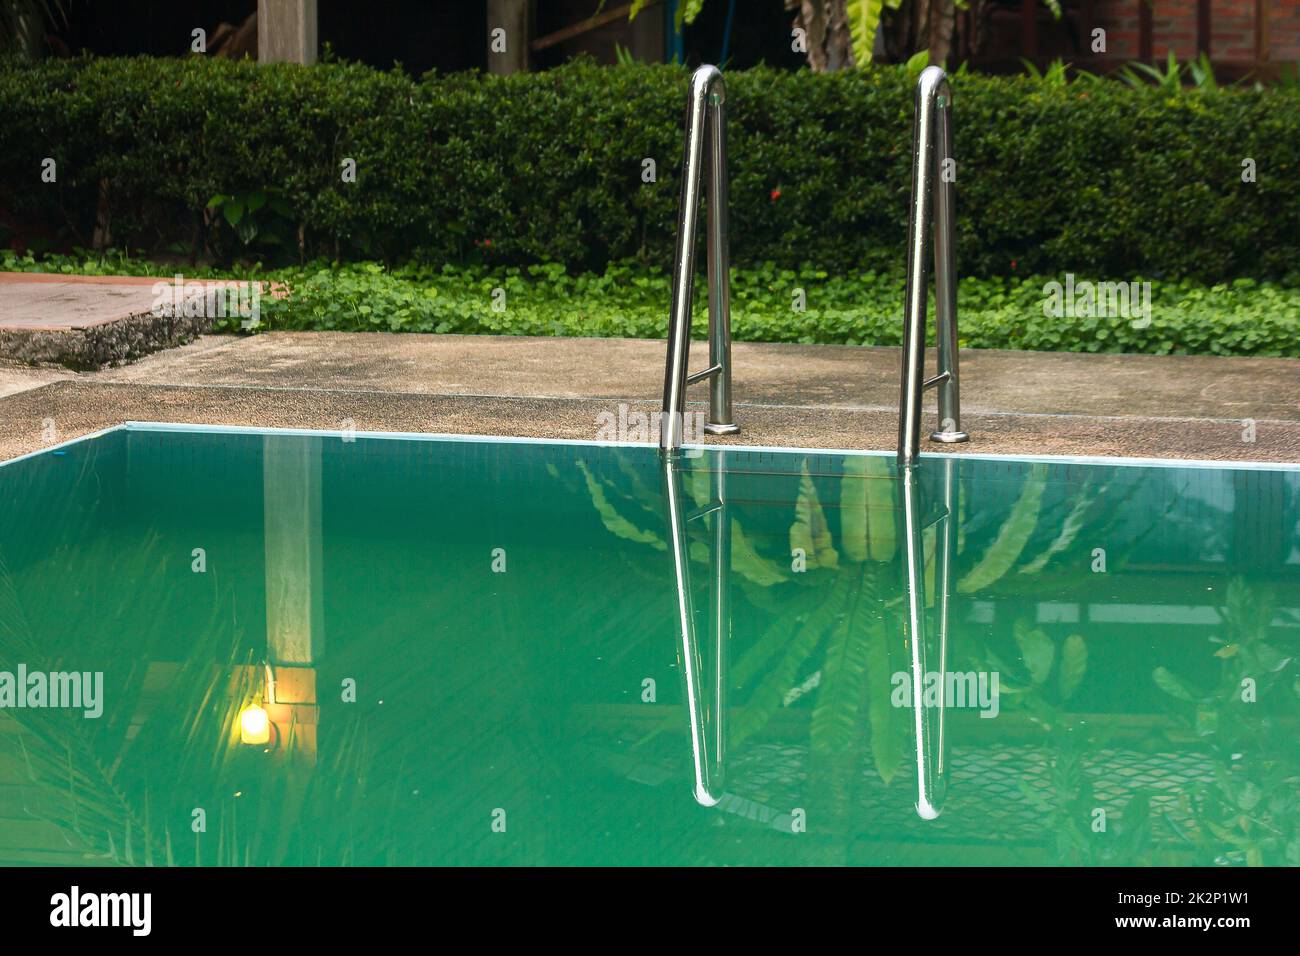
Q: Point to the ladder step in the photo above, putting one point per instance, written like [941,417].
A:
[706,510]
[937,380]
[933,518]
[709,372]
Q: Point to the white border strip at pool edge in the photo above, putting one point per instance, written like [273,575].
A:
[89,436]
[509,439]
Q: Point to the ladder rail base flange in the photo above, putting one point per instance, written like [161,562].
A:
[949,438]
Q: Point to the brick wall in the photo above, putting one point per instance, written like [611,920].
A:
[1284,31]
[1173,23]
[1120,20]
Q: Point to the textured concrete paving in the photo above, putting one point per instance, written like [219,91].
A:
[802,396]
[50,302]
[88,322]
[19,378]
[766,374]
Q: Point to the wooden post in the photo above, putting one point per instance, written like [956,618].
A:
[286,31]
[1261,30]
[1145,53]
[1202,27]
[1029,28]
[648,36]
[508,36]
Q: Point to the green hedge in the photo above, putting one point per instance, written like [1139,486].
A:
[1093,178]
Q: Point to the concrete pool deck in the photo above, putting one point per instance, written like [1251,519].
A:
[87,322]
[1197,407]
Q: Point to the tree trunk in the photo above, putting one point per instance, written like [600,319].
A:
[28,24]
[943,17]
[811,18]
[839,41]
[917,25]
[902,29]
[825,24]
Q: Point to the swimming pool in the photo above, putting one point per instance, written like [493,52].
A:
[519,652]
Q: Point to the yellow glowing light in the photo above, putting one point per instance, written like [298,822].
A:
[254,725]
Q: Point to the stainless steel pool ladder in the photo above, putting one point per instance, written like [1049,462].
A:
[932,207]
[704,115]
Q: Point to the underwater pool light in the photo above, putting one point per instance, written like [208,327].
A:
[254,725]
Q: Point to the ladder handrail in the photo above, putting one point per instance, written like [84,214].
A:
[704,114]
[932,205]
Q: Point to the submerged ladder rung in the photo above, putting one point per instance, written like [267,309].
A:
[704,511]
[937,380]
[933,517]
[701,375]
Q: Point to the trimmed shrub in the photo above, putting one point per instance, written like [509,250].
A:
[1093,178]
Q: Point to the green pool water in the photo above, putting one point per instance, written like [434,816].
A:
[489,652]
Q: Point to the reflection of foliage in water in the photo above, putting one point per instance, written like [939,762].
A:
[1041,686]
[100,785]
[121,789]
[833,621]
[1248,722]
[837,621]
[858,578]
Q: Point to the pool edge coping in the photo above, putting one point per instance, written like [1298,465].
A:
[145,426]
[193,428]
[89,436]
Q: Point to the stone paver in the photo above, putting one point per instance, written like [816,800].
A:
[86,322]
[51,303]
